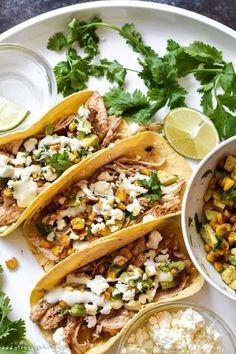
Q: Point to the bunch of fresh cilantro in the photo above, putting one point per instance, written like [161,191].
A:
[161,74]
[12,333]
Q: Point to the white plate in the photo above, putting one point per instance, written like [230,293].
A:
[157,23]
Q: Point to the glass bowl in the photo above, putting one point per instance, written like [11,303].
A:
[27,79]
[228,338]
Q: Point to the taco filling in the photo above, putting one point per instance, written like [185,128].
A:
[96,301]
[120,194]
[28,166]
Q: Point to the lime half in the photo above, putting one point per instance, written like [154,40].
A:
[190,132]
[11,114]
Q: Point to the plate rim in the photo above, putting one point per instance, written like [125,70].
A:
[121,4]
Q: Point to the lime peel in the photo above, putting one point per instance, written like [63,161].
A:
[11,114]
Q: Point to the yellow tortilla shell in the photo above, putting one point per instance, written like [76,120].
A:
[93,252]
[65,108]
[130,147]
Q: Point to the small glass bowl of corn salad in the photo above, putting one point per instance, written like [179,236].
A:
[209,218]
[178,327]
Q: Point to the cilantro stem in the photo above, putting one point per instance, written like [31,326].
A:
[135,71]
[29,343]
[118,29]
[207,70]
[215,90]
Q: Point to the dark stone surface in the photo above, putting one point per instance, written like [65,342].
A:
[13,12]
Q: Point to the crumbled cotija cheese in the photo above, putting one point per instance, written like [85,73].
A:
[181,332]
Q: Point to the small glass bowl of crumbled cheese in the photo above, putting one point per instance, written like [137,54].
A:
[178,328]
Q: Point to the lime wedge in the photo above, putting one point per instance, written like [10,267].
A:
[11,114]
[190,132]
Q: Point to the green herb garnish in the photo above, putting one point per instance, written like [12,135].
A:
[60,162]
[161,74]
[153,185]
[43,229]
[198,224]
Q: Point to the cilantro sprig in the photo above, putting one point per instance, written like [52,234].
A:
[161,74]
[153,185]
[12,333]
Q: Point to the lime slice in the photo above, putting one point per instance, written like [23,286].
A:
[11,114]
[190,132]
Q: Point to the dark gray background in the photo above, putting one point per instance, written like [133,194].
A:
[13,12]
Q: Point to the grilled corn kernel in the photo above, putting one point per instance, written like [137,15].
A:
[214,223]
[63,304]
[119,261]
[232,237]
[145,171]
[207,196]
[220,218]
[111,274]
[227,183]
[219,252]
[72,126]
[63,254]
[233,219]
[105,232]
[207,248]
[56,250]
[218,266]
[65,240]
[227,214]
[7,192]
[221,230]
[224,245]
[226,265]
[45,244]
[83,234]
[92,216]
[210,257]
[121,206]
[12,263]
[233,228]
[35,175]
[107,295]
[125,252]
[77,223]
[76,154]
[70,251]
[121,194]
[101,268]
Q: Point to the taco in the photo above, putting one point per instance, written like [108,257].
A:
[86,303]
[32,160]
[140,180]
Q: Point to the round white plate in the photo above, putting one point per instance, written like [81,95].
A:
[157,23]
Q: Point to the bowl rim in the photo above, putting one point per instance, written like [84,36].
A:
[175,306]
[51,79]
[204,162]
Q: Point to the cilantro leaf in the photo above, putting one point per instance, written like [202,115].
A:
[207,103]
[204,52]
[228,100]
[43,229]
[57,42]
[172,45]
[224,121]
[123,103]
[230,194]
[113,71]
[153,185]
[72,75]
[85,36]
[134,39]
[60,162]
[5,307]
[228,78]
